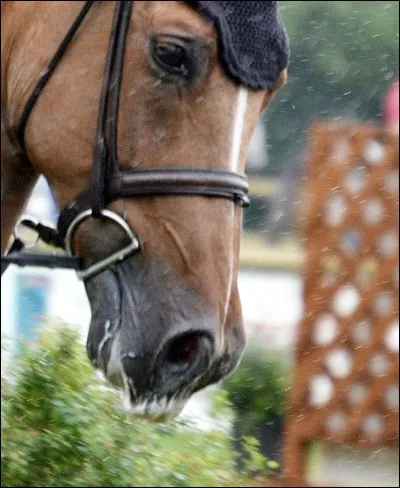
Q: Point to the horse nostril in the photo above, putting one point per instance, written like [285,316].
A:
[185,350]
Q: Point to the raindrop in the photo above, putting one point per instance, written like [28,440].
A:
[44,72]
[158,134]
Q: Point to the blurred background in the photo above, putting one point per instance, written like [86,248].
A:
[344,66]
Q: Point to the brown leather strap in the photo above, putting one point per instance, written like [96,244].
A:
[159,181]
[48,72]
[163,182]
[104,160]
[16,247]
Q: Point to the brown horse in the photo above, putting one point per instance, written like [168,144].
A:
[166,321]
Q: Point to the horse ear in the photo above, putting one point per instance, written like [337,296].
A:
[270,94]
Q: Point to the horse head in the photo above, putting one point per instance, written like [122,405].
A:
[166,321]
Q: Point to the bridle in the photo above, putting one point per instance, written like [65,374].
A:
[109,182]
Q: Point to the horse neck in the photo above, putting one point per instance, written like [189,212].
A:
[18,68]
[31,33]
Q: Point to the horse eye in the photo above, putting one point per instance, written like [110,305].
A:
[172,58]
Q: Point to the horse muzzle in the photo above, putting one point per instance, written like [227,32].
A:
[150,336]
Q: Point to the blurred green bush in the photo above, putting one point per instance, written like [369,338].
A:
[257,394]
[62,427]
[257,390]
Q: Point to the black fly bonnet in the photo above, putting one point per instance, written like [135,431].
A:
[253,49]
[252,41]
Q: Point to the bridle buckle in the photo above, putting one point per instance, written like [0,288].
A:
[26,231]
[109,261]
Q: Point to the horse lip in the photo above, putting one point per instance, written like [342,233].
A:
[160,410]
